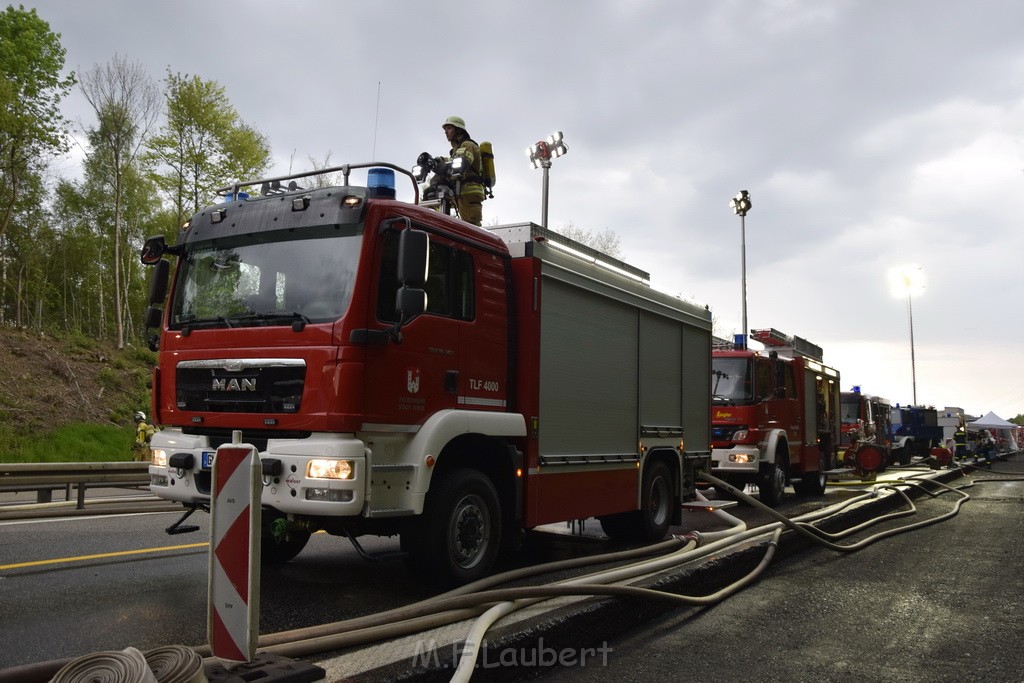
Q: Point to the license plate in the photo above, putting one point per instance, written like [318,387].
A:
[208,457]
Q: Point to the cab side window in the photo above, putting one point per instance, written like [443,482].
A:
[449,284]
[762,379]
[790,381]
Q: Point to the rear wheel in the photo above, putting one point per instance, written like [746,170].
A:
[652,521]
[813,483]
[456,539]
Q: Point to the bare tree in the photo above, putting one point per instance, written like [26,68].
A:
[325,179]
[127,104]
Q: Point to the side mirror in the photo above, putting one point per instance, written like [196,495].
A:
[154,317]
[153,249]
[410,302]
[412,258]
[158,283]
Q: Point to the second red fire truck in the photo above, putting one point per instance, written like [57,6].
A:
[775,416]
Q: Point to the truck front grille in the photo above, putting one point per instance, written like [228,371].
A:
[249,385]
[724,432]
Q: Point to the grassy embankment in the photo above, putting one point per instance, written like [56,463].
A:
[69,398]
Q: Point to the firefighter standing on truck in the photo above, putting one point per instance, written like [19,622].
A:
[143,433]
[470,197]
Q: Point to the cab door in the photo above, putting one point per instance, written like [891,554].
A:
[407,382]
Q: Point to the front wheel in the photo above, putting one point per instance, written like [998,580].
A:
[278,543]
[456,539]
[771,484]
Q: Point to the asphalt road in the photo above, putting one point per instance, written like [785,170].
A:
[948,595]
[942,603]
[70,586]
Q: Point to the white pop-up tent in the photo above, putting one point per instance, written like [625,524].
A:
[991,421]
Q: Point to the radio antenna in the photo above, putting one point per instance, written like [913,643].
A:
[376,117]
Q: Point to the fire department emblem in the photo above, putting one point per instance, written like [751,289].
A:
[412,380]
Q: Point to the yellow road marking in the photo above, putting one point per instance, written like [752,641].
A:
[100,556]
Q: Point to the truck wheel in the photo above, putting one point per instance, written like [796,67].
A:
[458,535]
[771,484]
[652,521]
[904,454]
[276,550]
[813,483]
[656,501]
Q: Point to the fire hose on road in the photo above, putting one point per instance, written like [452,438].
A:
[472,600]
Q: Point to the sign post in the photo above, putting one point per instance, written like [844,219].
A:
[232,623]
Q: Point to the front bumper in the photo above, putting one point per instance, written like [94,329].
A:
[290,491]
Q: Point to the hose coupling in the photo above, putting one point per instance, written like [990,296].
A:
[694,536]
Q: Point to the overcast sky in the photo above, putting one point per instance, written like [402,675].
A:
[870,135]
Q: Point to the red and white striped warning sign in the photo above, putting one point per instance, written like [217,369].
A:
[232,623]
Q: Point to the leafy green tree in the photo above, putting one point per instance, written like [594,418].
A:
[84,215]
[82,256]
[32,129]
[204,145]
[126,103]
[31,88]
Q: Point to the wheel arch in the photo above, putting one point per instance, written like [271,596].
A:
[778,441]
[496,458]
[450,437]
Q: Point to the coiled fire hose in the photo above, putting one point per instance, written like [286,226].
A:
[171,664]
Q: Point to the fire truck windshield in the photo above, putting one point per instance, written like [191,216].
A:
[255,284]
[851,410]
[731,380]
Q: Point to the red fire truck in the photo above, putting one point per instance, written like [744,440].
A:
[775,416]
[403,372]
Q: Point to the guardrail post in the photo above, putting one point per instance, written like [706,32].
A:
[81,496]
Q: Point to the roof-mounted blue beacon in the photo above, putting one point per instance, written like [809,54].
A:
[381,183]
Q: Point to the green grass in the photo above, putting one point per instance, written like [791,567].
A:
[70,443]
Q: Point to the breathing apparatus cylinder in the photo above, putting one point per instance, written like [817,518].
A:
[487,167]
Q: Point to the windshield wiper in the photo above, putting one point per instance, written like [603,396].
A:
[206,321]
[287,316]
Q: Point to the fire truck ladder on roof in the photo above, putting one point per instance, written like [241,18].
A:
[779,341]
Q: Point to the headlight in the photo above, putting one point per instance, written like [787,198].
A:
[159,457]
[330,469]
[740,435]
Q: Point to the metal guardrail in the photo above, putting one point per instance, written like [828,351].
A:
[46,477]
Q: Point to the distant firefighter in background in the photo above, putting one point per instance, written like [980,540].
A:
[143,434]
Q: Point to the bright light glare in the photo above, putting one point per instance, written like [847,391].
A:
[907,280]
[330,469]
[158,457]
